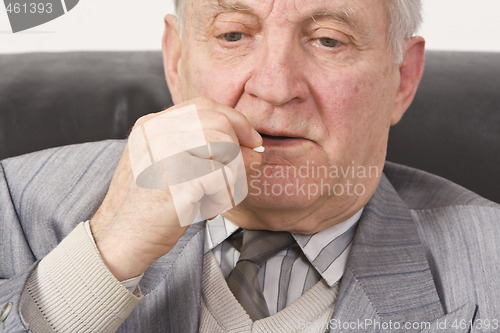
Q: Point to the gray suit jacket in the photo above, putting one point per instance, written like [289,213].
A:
[425,251]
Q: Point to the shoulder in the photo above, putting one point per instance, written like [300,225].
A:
[57,168]
[423,190]
[437,203]
[57,188]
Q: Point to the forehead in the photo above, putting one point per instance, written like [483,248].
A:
[356,12]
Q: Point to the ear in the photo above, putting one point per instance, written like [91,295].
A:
[171,50]
[410,73]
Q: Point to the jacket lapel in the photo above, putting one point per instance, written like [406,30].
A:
[387,278]
[459,321]
[172,289]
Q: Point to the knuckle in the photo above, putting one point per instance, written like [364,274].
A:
[217,120]
[224,121]
[141,120]
[203,103]
[219,136]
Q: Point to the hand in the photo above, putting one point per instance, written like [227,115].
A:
[135,226]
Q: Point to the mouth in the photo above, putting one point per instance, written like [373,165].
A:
[281,140]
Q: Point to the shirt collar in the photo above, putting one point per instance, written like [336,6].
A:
[326,251]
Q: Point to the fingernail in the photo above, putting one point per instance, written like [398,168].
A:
[259,149]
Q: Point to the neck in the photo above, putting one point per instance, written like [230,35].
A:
[299,221]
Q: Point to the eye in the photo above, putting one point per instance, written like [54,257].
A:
[328,42]
[232,36]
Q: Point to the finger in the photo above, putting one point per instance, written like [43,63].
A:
[245,133]
[217,194]
[215,116]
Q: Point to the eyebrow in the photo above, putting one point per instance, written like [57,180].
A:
[345,16]
[216,7]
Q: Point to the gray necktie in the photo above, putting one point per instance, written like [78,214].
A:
[256,248]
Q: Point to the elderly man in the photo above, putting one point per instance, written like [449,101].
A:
[324,240]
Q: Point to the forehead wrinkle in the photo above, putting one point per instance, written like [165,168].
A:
[233,6]
[214,8]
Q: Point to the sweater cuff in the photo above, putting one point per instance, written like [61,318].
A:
[131,284]
[72,290]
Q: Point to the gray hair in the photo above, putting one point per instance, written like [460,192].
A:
[180,8]
[404,19]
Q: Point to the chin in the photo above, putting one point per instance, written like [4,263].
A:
[302,208]
[282,194]
[282,210]
[280,202]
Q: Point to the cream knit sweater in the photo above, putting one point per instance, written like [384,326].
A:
[221,312]
[72,290]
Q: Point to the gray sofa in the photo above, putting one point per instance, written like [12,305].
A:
[50,99]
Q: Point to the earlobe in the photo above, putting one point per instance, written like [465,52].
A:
[171,50]
[410,71]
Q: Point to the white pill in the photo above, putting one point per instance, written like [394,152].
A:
[259,149]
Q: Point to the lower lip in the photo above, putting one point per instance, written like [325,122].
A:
[281,141]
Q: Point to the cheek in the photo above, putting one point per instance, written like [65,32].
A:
[221,83]
[355,108]
[342,103]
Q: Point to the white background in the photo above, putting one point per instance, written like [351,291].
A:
[471,25]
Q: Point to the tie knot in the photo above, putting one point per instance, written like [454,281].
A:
[259,245]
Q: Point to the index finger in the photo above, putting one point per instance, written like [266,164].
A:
[228,117]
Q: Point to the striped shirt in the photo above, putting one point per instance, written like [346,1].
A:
[314,257]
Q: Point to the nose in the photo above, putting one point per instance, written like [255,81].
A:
[277,76]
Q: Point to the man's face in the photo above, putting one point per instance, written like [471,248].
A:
[316,79]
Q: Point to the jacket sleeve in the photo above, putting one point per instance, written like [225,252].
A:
[49,268]
[17,261]
[69,290]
